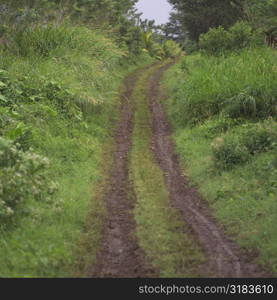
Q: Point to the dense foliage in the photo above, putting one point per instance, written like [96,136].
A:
[198,16]
[190,19]
[222,103]
[61,64]
[218,41]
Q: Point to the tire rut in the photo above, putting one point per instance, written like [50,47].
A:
[120,255]
[223,257]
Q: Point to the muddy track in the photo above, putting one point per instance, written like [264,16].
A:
[223,257]
[120,255]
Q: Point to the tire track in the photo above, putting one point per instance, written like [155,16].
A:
[120,255]
[224,258]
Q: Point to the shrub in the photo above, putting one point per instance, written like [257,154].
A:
[218,40]
[14,93]
[190,46]
[241,35]
[167,49]
[229,152]
[239,145]
[171,49]
[13,129]
[157,51]
[215,41]
[22,174]
[21,135]
[260,137]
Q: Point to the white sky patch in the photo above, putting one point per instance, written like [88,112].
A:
[157,10]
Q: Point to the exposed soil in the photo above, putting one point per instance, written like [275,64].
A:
[223,257]
[120,255]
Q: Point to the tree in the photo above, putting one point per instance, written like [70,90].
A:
[174,29]
[198,16]
[90,11]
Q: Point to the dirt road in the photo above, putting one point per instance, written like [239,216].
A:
[120,254]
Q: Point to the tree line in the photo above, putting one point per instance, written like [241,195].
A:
[191,18]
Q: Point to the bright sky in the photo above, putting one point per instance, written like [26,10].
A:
[157,10]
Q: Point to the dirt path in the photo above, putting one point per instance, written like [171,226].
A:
[120,255]
[224,259]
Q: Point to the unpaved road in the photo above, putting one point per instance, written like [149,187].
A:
[120,254]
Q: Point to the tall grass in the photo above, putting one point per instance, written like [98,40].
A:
[239,85]
[83,61]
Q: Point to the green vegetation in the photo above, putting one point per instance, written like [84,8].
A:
[240,85]
[223,110]
[61,66]
[161,232]
[190,19]
[223,107]
[57,102]
[219,41]
[58,94]
[166,49]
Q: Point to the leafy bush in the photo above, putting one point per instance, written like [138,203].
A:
[22,174]
[218,40]
[260,137]
[237,146]
[190,46]
[215,41]
[14,129]
[157,51]
[171,49]
[14,93]
[164,50]
[229,152]
[241,35]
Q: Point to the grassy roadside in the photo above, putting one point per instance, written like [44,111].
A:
[43,238]
[160,230]
[242,191]
[60,104]
[58,237]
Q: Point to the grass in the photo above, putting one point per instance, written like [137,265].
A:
[242,197]
[240,85]
[161,232]
[59,237]
[43,241]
